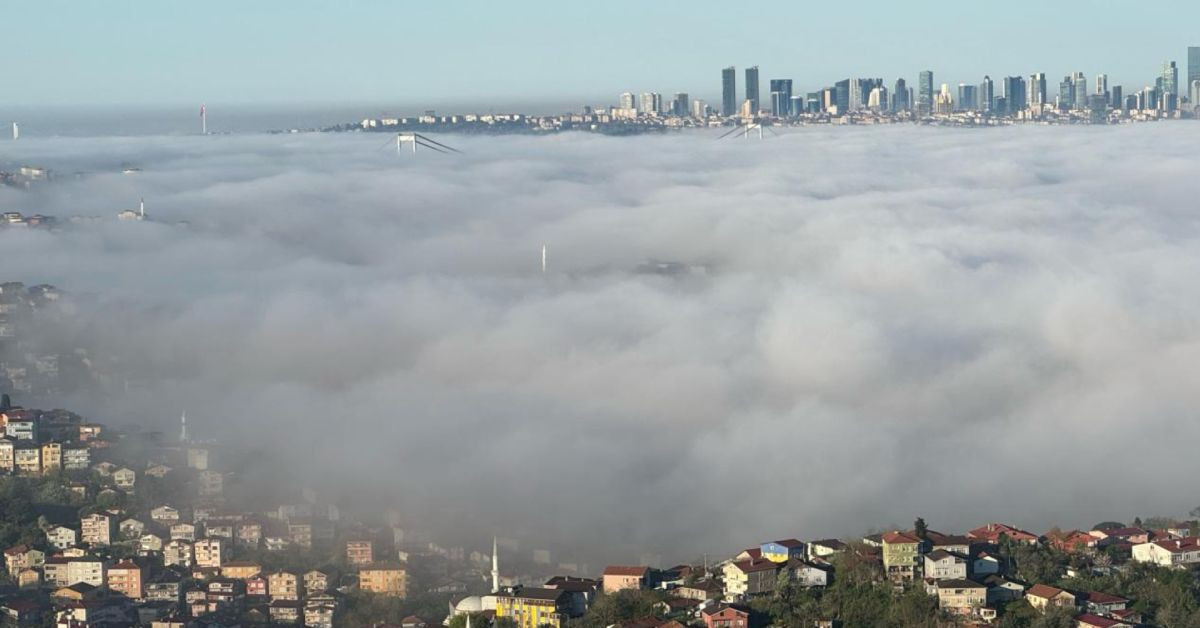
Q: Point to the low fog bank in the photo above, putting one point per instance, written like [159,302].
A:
[868,324]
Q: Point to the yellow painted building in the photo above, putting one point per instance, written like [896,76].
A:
[531,607]
[51,457]
[384,579]
[901,555]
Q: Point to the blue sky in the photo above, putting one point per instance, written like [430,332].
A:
[148,52]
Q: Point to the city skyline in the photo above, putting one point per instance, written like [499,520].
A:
[476,52]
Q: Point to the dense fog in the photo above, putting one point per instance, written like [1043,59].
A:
[809,335]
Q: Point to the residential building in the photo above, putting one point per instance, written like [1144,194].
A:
[992,532]
[178,552]
[1104,603]
[284,585]
[1169,552]
[62,537]
[824,548]
[85,569]
[20,557]
[184,531]
[211,552]
[384,579]
[620,577]
[319,612]
[533,607]
[901,555]
[750,576]
[960,596]
[943,565]
[165,515]
[7,455]
[359,553]
[98,529]
[52,459]
[124,478]
[809,575]
[286,612]
[240,570]
[125,578]
[726,616]
[27,458]
[76,458]
[316,581]
[1041,596]
[1133,536]
[150,543]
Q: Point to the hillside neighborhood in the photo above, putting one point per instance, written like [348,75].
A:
[104,528]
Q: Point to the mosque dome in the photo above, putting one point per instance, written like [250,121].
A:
[469,604]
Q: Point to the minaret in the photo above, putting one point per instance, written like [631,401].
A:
[495,567]
[183,428]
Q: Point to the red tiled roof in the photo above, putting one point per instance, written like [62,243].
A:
[993,531]
[897,537]
[1096,597]
[624,570]
[1189,544]
[1044,591]
[1088,619]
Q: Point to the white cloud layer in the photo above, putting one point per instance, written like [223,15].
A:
[964,325]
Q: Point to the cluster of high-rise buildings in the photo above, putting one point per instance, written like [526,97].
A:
[1013,96]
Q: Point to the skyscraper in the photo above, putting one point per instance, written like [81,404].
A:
[856,95]
[1193,68]
[841,96]
[729,91]
[1097,109]
[900,96]
[752,88]
[627,101]
[781,97]
[925,93]
[1014,94]
[877,100]
[1170,79]
[1102,84]
[651,102]
[1116,97]
[1066,94]
[1080,91]
[987,93]
[967,100]
[1037,89]
[679,106]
